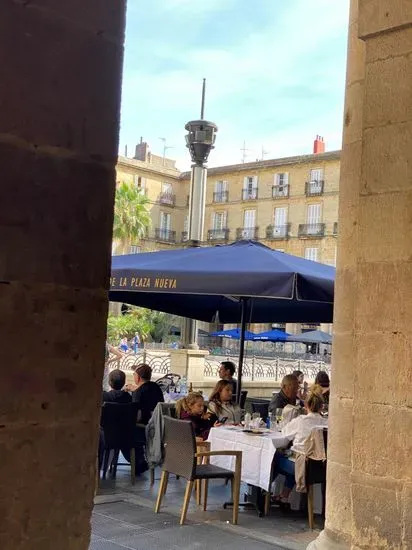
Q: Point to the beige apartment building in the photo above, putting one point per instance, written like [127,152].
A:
[290,204]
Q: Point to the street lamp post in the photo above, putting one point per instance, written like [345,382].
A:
[200,140]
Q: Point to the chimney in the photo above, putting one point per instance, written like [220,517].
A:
[141,151]
[318,145]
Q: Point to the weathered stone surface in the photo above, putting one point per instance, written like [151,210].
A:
[380,16]
[39,90]
[338,499]
[55,218]
[340,429]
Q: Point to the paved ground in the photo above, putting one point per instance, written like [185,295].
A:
[123,518]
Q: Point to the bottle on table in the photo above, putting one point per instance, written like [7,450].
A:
[190,387]
[183,385]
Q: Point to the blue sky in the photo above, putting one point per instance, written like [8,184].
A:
[275,74]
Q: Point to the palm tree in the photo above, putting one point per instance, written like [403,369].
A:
[131,216]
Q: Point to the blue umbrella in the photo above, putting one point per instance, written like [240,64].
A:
[233,333]
[244,281]
[272,336]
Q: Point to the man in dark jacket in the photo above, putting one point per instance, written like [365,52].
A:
[116,394]
[145,393]
[287,395]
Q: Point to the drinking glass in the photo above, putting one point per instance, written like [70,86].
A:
[279,416]
[256,420]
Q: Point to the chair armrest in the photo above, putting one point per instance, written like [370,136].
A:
[237,454]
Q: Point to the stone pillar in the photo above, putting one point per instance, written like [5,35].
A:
[369,495]
[61,68]
[189,363]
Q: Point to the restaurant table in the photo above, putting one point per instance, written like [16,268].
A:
[257,457]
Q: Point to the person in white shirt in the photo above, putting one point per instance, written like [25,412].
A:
[297,431]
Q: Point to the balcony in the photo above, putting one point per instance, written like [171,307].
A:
[314,188]
[221,196]
[184,237]
[218,234]
[335,229]
[246,233]
[165,235]
[250,194]
[280,191]
[311,230]
[167,198]
[277,232]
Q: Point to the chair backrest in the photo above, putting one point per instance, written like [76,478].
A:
[118,421]
[261,408]
[180,447]
[316,469]
[289,413]
[242,400]
[168,409]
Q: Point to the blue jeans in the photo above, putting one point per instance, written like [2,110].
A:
[282,465]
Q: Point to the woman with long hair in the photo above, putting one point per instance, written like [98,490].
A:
[220,403]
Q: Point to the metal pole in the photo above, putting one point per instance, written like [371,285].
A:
[241,348]
[202,108]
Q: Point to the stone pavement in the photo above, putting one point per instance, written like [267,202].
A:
[123,518]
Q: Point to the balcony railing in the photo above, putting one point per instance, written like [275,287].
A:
[274,232]
[185,236]
[311,230]
[314,188]
[335,229]
[250,194]
[280,191]
[221,196]
[247,233]
[167,198]
[218,234]
[165,235]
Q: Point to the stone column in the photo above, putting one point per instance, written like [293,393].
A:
[369,495]
[189,363]
[61,68]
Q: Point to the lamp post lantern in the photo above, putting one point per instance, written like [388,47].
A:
[200,140]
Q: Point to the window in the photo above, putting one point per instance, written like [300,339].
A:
[134,249]
[281,185]
[219,220]
[220,194]
[165,221]
[316,175]
[312,254]
[280,222]
[250,188]
[316,182]
[186,224]
[313,217]
[167,188]
[249,217]
[140,182]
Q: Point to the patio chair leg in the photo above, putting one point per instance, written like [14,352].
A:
[236,497]
[205,489]
[152,476]
[188,492]
[113,466]
[162,490]
[133,466]
[106,460]
[267,503]
[310,507]
[198,488]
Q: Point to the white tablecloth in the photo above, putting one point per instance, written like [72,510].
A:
[257,456]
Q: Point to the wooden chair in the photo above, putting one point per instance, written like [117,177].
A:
[118,421]
[316,473]
[181,459]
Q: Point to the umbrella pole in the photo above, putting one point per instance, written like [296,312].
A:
[241,348]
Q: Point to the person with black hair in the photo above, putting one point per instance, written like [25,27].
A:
[322,379]
[226,371]
[116,394]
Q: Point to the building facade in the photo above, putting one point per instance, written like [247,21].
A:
[289,204]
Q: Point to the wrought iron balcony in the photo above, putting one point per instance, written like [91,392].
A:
[335,229]
[218,234]
[277,232]
[311,230]
[245,233]
[167,198]
[185,236]
[250,194]
[280,191]
[165,235]
[314,188]
[221,196]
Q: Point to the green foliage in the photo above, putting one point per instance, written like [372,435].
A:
[151,325]
[131,214]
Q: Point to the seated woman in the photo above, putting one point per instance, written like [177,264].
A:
[220,403]
[192,407]
[298,430]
